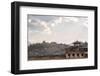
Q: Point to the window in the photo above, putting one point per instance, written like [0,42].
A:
[82,54]
[77,54]
[73,54]
[68,54]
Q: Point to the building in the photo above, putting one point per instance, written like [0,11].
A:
[77,43]
[78,50]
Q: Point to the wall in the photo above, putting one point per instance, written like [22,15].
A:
[5,41]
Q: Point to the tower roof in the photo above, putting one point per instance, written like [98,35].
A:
[77,42]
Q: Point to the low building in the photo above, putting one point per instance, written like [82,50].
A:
[78,50]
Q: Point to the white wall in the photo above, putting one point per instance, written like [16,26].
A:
[5,41]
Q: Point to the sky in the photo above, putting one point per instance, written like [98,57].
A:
[60,29]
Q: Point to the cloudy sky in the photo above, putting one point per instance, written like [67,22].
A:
[60,29]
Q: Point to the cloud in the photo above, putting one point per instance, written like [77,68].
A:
[56,21]
[57,28]
[46,27]
[37,25]
[60,20]
[74,19]
[69,20]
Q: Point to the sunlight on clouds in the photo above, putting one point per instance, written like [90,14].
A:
[57,21]
[29,20]
[47,29]
[39,26]
[52,24]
